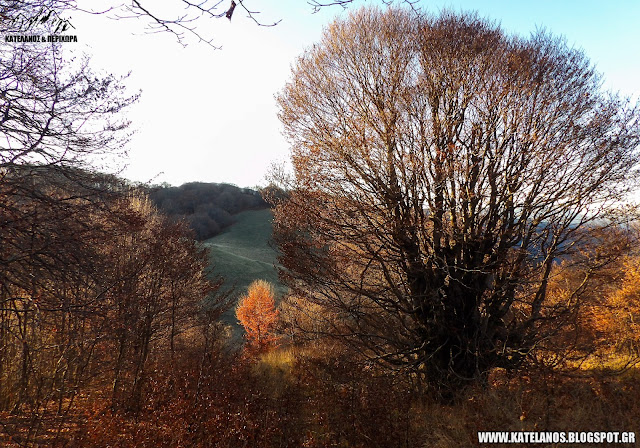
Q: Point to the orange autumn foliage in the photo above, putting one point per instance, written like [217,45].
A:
[618,320]
[258,315]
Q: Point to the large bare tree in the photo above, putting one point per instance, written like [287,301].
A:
[441,168]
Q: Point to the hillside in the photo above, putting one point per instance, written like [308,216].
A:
[209,208]
[242,253]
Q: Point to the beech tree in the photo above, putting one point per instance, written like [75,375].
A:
[158,285]
[441,167]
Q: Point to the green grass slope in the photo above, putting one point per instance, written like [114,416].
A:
[242,253]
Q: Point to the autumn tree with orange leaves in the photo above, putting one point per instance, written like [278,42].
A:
[258,315]
[616,320]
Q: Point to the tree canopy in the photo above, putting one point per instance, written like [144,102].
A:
[441,168]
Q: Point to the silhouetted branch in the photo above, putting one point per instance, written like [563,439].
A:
[181,24]
[318,5]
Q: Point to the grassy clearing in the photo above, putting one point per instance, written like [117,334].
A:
[243,254]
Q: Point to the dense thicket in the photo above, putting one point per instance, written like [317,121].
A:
[207,207]
[96,285]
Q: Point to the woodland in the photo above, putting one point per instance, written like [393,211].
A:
[207,207]
[457,241]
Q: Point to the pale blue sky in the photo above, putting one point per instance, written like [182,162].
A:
[210,116]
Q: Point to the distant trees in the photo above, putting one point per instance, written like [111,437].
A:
[611,318]
[441,170]
[581,298]
[258,315]
[623,311]
[207,207]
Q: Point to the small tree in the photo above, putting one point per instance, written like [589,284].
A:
[258,315]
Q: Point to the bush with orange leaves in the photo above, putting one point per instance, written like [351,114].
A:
[618,319]
[259,316]
[594,297]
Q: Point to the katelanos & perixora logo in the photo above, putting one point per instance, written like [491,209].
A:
[35,25]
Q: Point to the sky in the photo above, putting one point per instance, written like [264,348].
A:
[210,115]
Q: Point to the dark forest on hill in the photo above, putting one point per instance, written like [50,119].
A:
[207,207]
